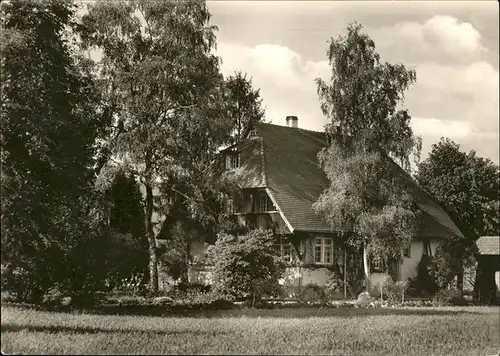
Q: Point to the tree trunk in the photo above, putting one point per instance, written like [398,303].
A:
[153,263]
[185,267]
[345,273]
[366,266]
[460,279]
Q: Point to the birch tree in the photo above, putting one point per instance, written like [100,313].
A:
[161,79]
[367,201]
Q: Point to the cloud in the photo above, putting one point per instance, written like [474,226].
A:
[455,36]
[281,65]
[439,39]
[467,93]
[458,100]
[438,127]
[285,80]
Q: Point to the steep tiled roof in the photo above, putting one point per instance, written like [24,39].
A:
[293,176]
[488,245]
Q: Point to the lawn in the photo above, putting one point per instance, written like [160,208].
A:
[349,331]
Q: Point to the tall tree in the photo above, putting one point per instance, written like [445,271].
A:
[50,122]
[367,201]
[468,187]
[164,83]
[245,104]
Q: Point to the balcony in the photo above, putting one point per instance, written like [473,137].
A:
[265,220]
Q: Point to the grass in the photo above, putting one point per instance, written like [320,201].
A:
[349,331]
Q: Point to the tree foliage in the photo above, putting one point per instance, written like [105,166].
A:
[125,242]
[244,103]
[164,86]
[363,98]
[367,201]
[245,266]
[50,122]
[467,186]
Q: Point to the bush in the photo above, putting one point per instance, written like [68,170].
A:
[449,297]
[424,285]
[451,256]
[126,262]
[193,287]
[334,287]
[313,293]
[132,285]
[392,292]
[247,266]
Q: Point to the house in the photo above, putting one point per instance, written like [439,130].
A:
[278,172]
[488,259]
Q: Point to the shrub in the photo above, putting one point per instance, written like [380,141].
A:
[313,293]
[132,285]
[451,256]
[334,286]
[247,266]
[392,292]
[449,297]
[193,287]
[423,285]
[125,262]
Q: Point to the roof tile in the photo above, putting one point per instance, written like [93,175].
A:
[296,180]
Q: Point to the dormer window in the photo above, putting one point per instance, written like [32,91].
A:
[252,133]
[232,160]
[263,204]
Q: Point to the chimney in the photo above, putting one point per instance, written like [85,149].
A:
[292,121]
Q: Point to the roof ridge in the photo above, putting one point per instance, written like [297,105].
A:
[290,128]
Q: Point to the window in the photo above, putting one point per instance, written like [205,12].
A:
[378,266]
[323,250]
[285,251]
[232,160]
[264,203]
[407,252]
[230,208]
[252,133]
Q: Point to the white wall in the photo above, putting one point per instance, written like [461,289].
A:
[317,276]
[296,276]
[408,267]
[497,282]
[197,250]
[377,277]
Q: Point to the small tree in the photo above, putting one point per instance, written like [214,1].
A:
[245,104]
[449,260]
[245,266]
[424,284]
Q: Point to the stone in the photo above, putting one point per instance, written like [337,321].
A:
[364,299]
[162,300]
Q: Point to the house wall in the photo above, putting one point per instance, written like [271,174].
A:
[317,276]
[197,250]
[408,267]
[302,276]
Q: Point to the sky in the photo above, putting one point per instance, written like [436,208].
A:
[452,45]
